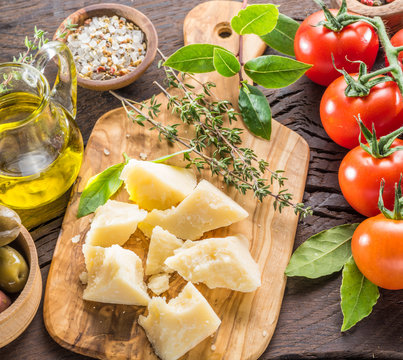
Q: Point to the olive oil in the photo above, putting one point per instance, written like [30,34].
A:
[41,150]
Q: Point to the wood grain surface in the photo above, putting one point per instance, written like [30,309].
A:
[248,320]
[310,317]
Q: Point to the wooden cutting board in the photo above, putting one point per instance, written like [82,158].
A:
[248,320]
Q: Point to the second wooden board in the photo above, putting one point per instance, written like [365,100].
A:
[248,320]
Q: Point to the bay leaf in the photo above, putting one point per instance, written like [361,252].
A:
[225,62]
[256,19]
[273,71]
[322,254]
[281,38]
[358,295]
[194,58]
[255,111]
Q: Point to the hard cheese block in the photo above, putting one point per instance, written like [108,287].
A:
[115,275]
[113,223]
[157,186]
[206,208]
[158,283]
[162,245]
[175,328]
[217,262]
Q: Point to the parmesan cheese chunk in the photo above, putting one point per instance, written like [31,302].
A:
[115,275]
[175,328]
[158,283]
[162,245]
[157,186]
[113,223]
[217,262]
[206,208]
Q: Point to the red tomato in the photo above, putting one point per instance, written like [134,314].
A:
[377,248]
[360,176]
[397,40]
[382,107]
[315,44]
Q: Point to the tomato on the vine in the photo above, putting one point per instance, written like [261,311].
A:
[360,175]
[397,40]
[315,45]
[383,107]
[377,248]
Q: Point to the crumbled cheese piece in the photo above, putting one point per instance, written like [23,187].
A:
[157,186]
[217,262]
[113,223]
[115,275]
[264,333]
[206,208]
[75,239]
[162,245]
[143,156]
[213,347]
[83,278]
[176,327]
[158,283]
[107,152]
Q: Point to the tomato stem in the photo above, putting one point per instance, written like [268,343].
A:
[397,213]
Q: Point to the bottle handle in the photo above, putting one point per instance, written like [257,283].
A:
[64,90]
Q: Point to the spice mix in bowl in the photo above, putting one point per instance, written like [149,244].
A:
[112,45]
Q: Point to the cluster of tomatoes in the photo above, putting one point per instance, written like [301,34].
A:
[377,244]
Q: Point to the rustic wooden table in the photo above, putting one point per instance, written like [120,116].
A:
[310,319]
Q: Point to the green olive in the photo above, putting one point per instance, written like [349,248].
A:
[10,224]
[13,270]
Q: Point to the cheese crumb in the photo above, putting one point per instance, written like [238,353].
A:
[143,156]
[107,152]
[83,278]
[158,283]
[213,347]
[264,333]
[75,239]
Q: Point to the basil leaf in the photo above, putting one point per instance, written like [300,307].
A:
[255,19]
[322,254]
[225,62]
[358,295]
[282,36]
[255,111]
[195,58]
[100,188]
[273,71]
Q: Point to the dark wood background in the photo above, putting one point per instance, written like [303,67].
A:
[310,319]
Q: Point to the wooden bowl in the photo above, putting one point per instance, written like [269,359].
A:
[129,13]
[391,14]
[15,319]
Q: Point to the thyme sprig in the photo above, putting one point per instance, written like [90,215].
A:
[215,146]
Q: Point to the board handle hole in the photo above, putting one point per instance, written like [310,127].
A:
[224,30]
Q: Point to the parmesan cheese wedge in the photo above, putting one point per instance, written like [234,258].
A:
[162,245]
[158,283]
[217,262]
[115,275]
[206,208]
[175,328]
[157,186]
[113,223]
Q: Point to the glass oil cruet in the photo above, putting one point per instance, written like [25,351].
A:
[41,147]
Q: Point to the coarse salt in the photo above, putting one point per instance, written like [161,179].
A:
[107,47]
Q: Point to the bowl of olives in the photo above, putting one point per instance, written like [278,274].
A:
[20,277]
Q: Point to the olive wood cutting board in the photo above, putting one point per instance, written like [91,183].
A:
[108,331]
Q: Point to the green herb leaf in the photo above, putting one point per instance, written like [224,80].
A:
[272,71]
[100,188]
[195,58]
[166,157]
[255,111]
[255,19]
[322,254]
[225,62]
[282,36]
[358,295]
